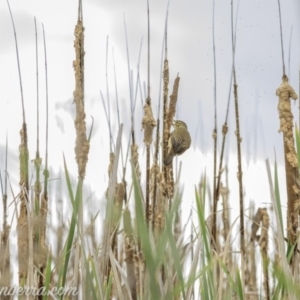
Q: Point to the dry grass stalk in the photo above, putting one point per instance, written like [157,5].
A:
[132,271]
[140,273]
[250,266]
[224,132]
[37,186]
[31,278]
[37,161]
[158,219]
[240,173]
[40,260]
[43,214]
[5,257]
[160,207]
[215,136]
[41,283]
[38,223]
[285,92]
[169,185]
[250,273]
[239,153]
[169,181]
[108,222]
[135,159]
[132,265]
[148,124]
[165,192]
[226,223]
[117,211]
[82,144]
[217,180]
[173,102]
[148,100]
[5,227]
[166,128]
[155,170]
[23,158]
[116,215]
[112,227]
[256,219]
[262,220]
[22,226]
[111,163]
[263,243]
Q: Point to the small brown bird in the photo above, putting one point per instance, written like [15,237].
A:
[179,141]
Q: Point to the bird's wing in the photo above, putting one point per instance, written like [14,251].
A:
[179,143]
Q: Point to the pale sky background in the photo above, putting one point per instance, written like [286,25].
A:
[258,66]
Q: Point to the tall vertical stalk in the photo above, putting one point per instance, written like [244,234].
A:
[46,172]
[117,101]
[148,101]
[299,101]
[4,193]
[82,144]
[107,91]
[22,226]
[4,234]
[37,160]
[148,123]
[166,126]
[285,92]
[38,231]
[225,127]
[215,199]
[239,154]
[155,169]
[281,38]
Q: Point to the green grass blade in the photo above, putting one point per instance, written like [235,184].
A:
[91,285]
[277,196]
[174,250]
[69,185]
[208,278]
[233,284]
[239,285]
[297,143]
[151,262]
[108,288]
[70,238]
[47,276]
[90,133]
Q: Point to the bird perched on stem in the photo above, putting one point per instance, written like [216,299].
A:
[179,141]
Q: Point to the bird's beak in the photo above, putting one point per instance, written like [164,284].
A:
[173,123]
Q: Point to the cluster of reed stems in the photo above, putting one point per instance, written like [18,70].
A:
[144,252]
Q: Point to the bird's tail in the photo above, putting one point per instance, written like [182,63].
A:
[169,158]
